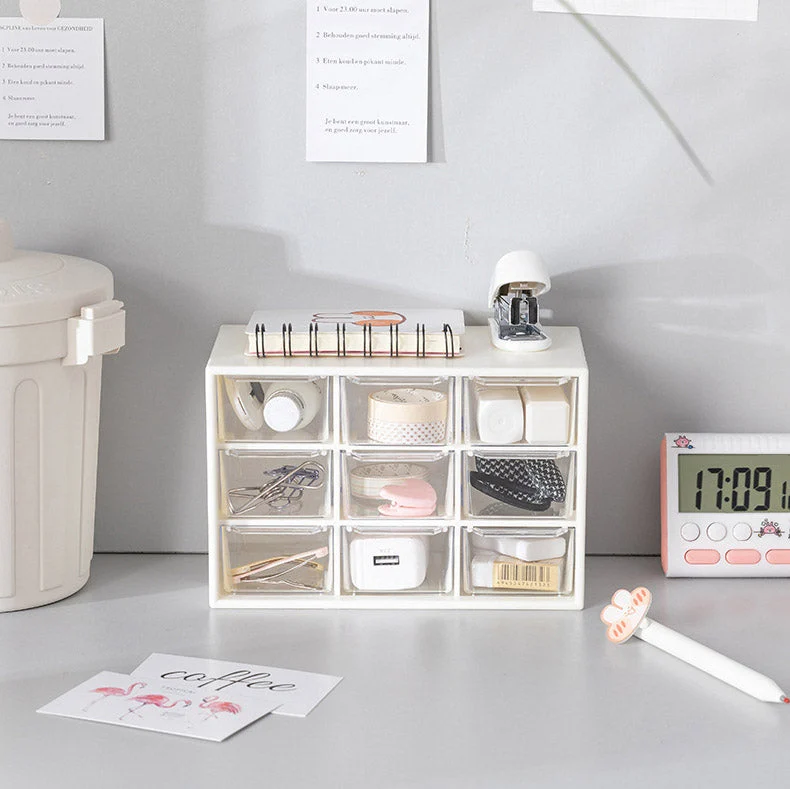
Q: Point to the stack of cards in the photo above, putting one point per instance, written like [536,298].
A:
[193,697]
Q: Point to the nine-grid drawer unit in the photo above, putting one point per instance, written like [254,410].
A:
[294,517]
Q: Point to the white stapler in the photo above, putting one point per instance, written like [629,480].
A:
[519,278]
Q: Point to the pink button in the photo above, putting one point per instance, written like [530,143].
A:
[743,556]
[778,556]
[702,556]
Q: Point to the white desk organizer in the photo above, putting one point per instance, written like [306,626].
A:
[436,551]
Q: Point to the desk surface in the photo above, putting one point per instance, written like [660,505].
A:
[430,699]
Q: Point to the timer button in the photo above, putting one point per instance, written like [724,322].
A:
[702,557]
[742,556]
[741,531]
[689,532]
[717,531]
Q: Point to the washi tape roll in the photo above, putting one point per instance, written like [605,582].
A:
[407,416]
[368,480]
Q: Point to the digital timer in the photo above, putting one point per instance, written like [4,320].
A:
[725,504]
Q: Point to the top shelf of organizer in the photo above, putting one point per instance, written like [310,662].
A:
[564,357]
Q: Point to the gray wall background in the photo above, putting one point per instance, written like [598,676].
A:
[204,208]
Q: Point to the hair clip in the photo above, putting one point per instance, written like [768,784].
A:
[249,573]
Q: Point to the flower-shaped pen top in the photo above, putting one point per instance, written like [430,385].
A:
[626,612]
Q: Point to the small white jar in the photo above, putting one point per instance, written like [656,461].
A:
[291,405]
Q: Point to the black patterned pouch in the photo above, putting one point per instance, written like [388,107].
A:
[509,492]
[527,483]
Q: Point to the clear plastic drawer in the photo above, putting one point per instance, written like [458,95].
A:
[534,484]
[400,558]
[275,484]
[533,411]
[397,411]
[292,559]
[397,485]
[513,560]
[274,409]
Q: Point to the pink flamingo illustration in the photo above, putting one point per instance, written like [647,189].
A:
[109,692]
[155,700]
[215,706]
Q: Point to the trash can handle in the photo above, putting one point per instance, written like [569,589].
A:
[100,329]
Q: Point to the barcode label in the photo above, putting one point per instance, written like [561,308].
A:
[532,576]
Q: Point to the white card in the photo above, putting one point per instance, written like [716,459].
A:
[52,80]
[155,705]
[296,692]
[743,10]
[367,81]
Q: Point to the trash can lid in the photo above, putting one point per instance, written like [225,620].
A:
[39,287]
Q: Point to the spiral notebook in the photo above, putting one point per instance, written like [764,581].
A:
[421,333]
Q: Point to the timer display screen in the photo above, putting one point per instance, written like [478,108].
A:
[733,483]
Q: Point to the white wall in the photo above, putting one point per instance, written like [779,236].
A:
[203,206]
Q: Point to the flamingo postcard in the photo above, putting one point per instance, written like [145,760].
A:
[297,692]
[161,706]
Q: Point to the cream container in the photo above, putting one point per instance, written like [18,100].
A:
[407,416]
[547,415]
[500,415]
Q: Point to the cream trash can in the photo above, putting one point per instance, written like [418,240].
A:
[57,318]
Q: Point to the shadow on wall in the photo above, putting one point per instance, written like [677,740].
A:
[151,493]
[687,344]
[180,272]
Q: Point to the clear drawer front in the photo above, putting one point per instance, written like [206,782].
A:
[273,409]
[518,485]
[397,559]
[275,484]
[277,559]
[513,560]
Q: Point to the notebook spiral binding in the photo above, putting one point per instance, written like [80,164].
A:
[260,343]
[449,344]
[367,340]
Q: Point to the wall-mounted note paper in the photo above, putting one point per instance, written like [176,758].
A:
[52,80]
[743,10]
[367,81]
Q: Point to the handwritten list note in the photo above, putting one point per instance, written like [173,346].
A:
[52,80]
[367,81]
[743,10]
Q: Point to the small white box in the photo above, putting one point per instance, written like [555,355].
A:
[528,549]
[546,414]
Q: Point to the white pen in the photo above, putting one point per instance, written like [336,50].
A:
[627,616]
